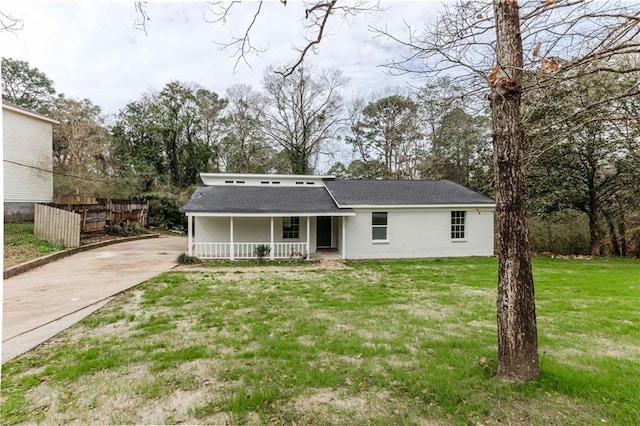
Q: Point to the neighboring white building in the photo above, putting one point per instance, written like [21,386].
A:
[27,148]
[232,214]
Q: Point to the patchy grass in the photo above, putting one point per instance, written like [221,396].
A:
[20,245]
[384,342]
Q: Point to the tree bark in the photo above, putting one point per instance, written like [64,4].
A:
[594,226]
[622,230]
[615,247]
[516,315]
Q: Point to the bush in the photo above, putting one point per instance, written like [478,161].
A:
[262,251]
[164,211]
[124,229]
[185,259]
[298,257]
[564,233]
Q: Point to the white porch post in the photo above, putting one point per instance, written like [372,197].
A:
[190,233]
[272,252]
[308,237]
[231,245]
[344,237]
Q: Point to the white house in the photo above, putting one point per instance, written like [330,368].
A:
[232,214]
[27,148]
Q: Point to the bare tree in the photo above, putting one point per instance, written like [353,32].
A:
[516,310]
[581,31]
[244,148]
[305,112]
[80,145]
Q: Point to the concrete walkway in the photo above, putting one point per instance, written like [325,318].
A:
[41,303]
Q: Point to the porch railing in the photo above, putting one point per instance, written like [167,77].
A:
[234,251]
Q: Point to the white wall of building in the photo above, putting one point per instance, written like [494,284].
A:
[249,230]
[413,233]
[27,141]
[244,179]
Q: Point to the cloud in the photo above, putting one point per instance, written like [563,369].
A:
[92,50]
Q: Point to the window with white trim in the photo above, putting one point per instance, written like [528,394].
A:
[379,226]
[290,228]
[458,225]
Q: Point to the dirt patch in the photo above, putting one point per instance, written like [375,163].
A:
[333,406]
[339,406]
[601,346]
[476,292]
[174,408]
[305,341]
[150,399]
[333,265]
[549,410]
[610,348]
[120,329]
[426,310]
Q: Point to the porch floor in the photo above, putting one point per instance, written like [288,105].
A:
[326,254]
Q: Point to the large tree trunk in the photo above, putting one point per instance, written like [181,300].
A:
[517,331]
[615,247]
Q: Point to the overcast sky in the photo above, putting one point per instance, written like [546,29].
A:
[91,49]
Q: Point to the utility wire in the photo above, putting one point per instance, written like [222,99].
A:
[54,172]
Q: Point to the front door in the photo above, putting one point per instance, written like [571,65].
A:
[323,231]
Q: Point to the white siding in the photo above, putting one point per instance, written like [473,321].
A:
[419,233]
[28,141]
[248,230]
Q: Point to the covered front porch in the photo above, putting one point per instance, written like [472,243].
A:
[286,236]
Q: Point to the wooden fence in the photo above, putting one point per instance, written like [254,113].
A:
[97,216]
[74,199]
[56,226]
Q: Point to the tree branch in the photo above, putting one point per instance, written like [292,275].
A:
[9,23]
[327,8]
[142,17]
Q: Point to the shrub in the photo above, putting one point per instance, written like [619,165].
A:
[262,251]
[124,229]
[185,259]
[298,257]
[164,211]
[563,233]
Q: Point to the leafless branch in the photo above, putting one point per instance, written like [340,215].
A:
[325,11]
[242,44]
[316,16]
[581,36]
[220,10]
[142,17]
[9,23]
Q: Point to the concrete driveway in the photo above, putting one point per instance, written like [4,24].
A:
[41,303]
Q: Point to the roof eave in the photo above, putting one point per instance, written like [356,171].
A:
[267,214]
[23,111]
[418,206]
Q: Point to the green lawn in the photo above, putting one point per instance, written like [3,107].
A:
[20,245]
[385,342]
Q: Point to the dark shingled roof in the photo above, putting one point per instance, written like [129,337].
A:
[402,192]
[260,199]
